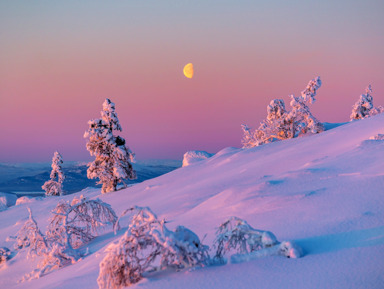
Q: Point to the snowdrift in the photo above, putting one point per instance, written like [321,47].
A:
[325,192]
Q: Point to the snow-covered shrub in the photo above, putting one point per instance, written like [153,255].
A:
[236,236]
[379,136]
[5,254]
[53,187]
[113,159]
[53,254]
[72,225]
[30,236]
[145,244]
[75,224]
[364,107]
[191,157]
[281,124]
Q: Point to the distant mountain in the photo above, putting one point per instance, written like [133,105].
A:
[27,178]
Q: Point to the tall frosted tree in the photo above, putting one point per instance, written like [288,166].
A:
[53,187]
[113,159]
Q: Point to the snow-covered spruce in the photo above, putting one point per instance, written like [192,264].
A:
[148,245]
[113,159]
[237,236]
[281,124]
[53,187]
[75,224]
[364,107]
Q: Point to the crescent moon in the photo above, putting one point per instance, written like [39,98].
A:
[188,70]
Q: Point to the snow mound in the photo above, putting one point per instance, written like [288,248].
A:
[26,200]
[192,157]
[7,200]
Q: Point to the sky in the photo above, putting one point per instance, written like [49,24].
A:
[59,60]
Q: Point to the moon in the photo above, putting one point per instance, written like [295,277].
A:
[188,70]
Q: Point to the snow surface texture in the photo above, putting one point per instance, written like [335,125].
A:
[323,192]
[192,157]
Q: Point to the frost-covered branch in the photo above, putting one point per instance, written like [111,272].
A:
[148,245]
[75,224]
[236,236]
[72,225]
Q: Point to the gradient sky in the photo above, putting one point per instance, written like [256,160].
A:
[59,60]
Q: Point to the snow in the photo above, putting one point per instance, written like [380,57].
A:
[26,200]
[323,193]
[7,200]
[192,157]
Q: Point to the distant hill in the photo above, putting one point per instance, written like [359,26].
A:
[25,179]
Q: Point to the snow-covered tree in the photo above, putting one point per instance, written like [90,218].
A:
[53,187]
[147,242]
[281,124]
[237,236]
[75,224]
[113,159]
[364,107]
[30,236]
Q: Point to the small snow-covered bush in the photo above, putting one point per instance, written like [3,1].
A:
[364,107]
[30,236]
[192,157]
[72,225]
[236,236]
[148,245]
[377,137]
[5,254]
[76,223]
[281,124]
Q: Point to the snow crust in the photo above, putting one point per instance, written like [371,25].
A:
[323,193]
[192,157]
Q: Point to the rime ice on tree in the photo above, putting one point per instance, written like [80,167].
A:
[364,106]
[282,124]
[52,187]
[113,158]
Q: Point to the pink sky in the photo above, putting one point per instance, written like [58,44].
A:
[59,61]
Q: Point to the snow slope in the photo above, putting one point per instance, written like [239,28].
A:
[325,192]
